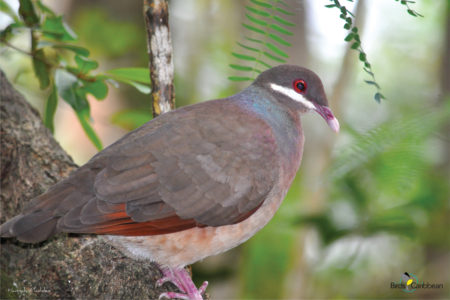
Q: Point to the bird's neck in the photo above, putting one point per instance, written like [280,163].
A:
[284,121]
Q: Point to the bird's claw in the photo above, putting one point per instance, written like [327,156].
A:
[173,295]
[182,280]
[165,279]
[203,287]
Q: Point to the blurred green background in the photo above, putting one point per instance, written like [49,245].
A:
[368,204]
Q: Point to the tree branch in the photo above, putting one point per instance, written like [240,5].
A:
[80,267]
[160,55]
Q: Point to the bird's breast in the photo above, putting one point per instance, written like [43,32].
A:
[182,248]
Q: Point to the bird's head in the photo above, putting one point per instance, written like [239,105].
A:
[299,88]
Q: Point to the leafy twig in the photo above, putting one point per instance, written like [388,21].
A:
[353,36]
[410,11]
[58,74]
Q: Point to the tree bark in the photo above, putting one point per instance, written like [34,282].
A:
[159,44]
[66,266]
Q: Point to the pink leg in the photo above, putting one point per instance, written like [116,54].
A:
[181,278]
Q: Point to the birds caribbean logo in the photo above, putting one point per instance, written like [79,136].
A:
[410,280]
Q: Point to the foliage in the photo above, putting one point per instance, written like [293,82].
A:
[383,171]
[354,38]
[62,67]
[410,11]
[267,20]
[383,176]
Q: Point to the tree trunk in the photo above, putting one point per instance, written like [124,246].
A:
[159,46]
[66,266]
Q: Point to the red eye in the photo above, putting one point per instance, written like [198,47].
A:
[299,86]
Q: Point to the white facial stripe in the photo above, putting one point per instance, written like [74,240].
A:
[292,94]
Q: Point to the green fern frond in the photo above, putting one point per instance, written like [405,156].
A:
[276,49]
[285,12]
[244,57]
[249,48]
[273,57]
[280,40]
[254,40]
[240,78]
[258,11]
[253,28]
[391,137]
[261,3]
[280,29]
[283,21]
[244,68]
[268,27]
[256,20]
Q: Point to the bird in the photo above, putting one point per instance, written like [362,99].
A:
[191,183]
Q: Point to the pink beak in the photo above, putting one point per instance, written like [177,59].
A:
[326,113]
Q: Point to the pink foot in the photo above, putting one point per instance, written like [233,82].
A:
[182,280]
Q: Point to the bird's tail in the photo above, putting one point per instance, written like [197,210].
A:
[39,219]
[31,228]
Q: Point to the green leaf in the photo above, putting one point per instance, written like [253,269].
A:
[362,57]
[10,30]
[282,3]
[144,89]
[248,48]
[76,49]
[411,12]
[372,83]
[278,9]
[83,117]
[276,50]
[273,57]
[355,45]
[55,28]
[347,26]
[41,69]
[378,96]
[257,11]
[50,109]
[264,64]
[28,13]
[5,8]
[45,9]
[68,86]
[279,40]
[141,75]
[280,29]
[253,28]
[97,88]
[256,20]
[131,119]
[254,40]
[349,37]
[368,71]
[239,78]
[85,65]
[283,21]
[242,56]
[241,68]
[261,3]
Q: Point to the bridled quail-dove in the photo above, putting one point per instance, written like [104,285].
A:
[191,183]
